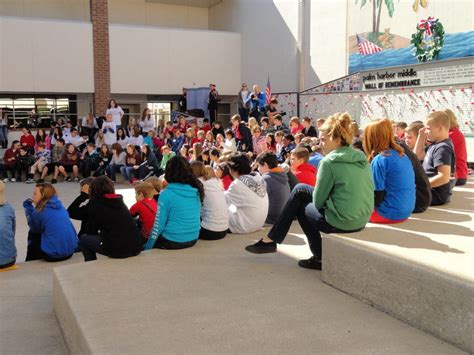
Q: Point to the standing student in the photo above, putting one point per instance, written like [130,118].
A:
[243,102]
[145,208]
[117,114]
[149,164]
[177,222]
[109,129]
[111,230]
[438,158]
[51,236]
[247,198]
[105,156]
[147,122]
[342,201]
[460,151]
[213,103]
[223,174]
[42,158]
[392,172]
[7,231]
[214,215]
[278,187]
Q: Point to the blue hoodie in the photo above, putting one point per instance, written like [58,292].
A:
[178,217]
[7,234]
[58,236]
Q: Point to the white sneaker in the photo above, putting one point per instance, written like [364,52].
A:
[13,180]
[5,180]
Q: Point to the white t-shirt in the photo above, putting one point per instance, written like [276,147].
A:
[214,214]
[116,112]
[110,134]
[136,141]
[147,125]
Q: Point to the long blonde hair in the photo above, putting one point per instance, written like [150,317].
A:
[453,121]
[47,192]
[339,126]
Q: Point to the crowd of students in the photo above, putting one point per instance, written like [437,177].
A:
[206,182]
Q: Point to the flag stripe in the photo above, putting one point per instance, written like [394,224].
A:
[367,47]
[268,91]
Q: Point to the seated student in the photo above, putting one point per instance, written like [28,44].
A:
[7,231]
[242,133]
[167,155]
[145,208]
[295,125]
[9,161]
[400,128]
[75,139]
[117,161]
[177,141]
[278,187]
[157,185]
[132,160]
[316,156]
[279,125]
[287,147]
[309,130]
[230,143]
[42,158]
[460,151]
[422,184]
[136,139]
[247,198]
[304,172]
[79,208]
[53,167]
[149,164]
[24,162]
[342,201]
[223,174]
[438,158]
[411,134]
[51,236]
[217,129]
[214,215]
[178,222]
[90,160]
[27,140]
[111,230]
[70,163]
[393,174]
[105,157]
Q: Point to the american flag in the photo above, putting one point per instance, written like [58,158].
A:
[268,91]
[366,47]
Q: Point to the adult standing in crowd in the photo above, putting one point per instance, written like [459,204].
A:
[183,102]
[213,103]
[257,100]
[243,102]
[117,113]
[3,129]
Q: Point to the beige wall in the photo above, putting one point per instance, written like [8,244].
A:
[152,60]
[45,56]
[140,12]
[77,10]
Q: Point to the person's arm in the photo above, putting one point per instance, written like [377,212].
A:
[75,210]
[324,186]
[32,216]
[420,144]
[379,175]
[443,176]
[135,209]
[378,197]
[161,219]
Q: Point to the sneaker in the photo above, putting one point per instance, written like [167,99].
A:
[68,178]
[13,180]
[76,179]
[30,181]
[40,181]
[5,180]
[312,263]
[262,248]
[54,181]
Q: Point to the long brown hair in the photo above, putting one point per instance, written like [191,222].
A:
[47,192]
[378,137]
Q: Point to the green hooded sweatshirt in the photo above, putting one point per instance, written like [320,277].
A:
[345,189]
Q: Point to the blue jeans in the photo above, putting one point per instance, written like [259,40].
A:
[90,245]
[127,172]
[112,170]
[312,221]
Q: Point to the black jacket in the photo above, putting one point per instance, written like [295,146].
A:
[78,210]
[109,218]
[246,139]
[310,132]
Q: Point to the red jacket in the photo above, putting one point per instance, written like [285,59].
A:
[460,151]
[226,181]
[206,128]
[70,158]
[146,212]
[306,174]
[9,153]
[29,141]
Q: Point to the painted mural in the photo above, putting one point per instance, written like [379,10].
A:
[386,33]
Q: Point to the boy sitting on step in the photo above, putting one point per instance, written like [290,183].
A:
[438,158]
[145,208]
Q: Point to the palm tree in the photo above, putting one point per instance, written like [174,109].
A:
[377,12]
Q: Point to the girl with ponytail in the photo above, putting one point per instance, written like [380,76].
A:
[341,202]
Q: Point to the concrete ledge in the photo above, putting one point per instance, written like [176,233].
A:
[420,271]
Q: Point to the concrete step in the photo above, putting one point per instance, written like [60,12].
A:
[421,271]
[216,298]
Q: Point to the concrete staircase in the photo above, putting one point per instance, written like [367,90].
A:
[421,271]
